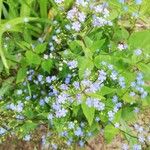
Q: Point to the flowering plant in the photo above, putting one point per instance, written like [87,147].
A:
[79,69]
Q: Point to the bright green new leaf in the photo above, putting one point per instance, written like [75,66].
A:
[89,113]
[84,64]
[40,48]
[22,72]
[110,132]
[47,65]
[32,58]
[106,90]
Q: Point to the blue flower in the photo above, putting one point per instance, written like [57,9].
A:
[72,64]
[78,132]
[67,80]
[54,146]
[19,92]
[89,102]
[27,98]
[42,102]
[137,147]
[97,119]
[40,77]
[76,85]
[50,116]
[69,142]
[115,98]
[48,79]
[27,138]
[61,113]
[132,94]
[81,143]
[2,131]
[138,52]
[71,125]
[138,2]
[121,1]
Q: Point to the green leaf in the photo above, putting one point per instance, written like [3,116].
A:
[140,40]
[28,126]
[43,8]
[98,59]
[110,132]
[47,65]
[88,41]
[1,66]
[128,114]
[86,50]
[32,58]
[59,124]
[75,47]
[117,116]
[127,98]
[25,8]
[29,113]
[97,45]
[96,95]
[127,129]
[106,90]
[89,113]
[145,68]
[40,48]
[21,75]
[121,34]
[6,86]
[84,63]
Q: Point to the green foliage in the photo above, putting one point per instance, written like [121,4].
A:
[21,75]
[89,113]
[110,132]
[47,65]
[32,58]
[6,86]
[72,73]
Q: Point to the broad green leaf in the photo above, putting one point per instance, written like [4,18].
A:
[97,45]
[96,95]
[140,40]
[126,128]
[25,8]
[22,72]
[120,34]
[28,126]
[145,68]
[75,47]
[32,58]
[106,90]
[117,116]
[87,52]
[98,59]
[128,114]
[88,41]
[59,124]
[47,65]
[84,64]
[6,86]
[40,48]
[103,117]
[128,99]
[110,132]
[43,8]
[29,113]
[88,112]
